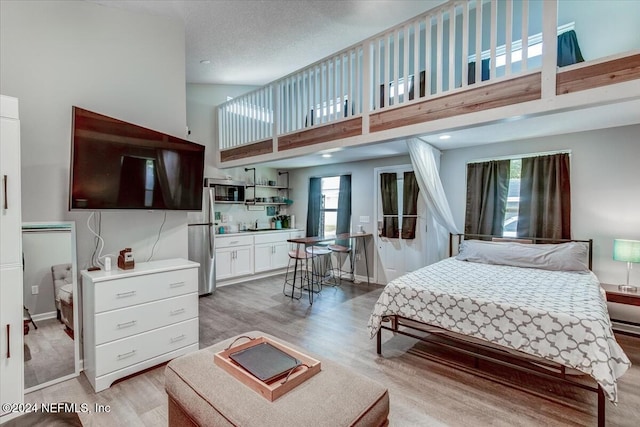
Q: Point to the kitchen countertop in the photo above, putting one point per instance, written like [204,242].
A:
[262,231]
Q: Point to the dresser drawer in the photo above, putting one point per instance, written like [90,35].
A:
[126,352]
[124,322]
[128,291]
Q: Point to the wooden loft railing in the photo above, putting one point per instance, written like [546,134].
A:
[419,71]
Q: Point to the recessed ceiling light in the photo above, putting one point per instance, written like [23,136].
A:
[445,136]
[205,61]
[326,155]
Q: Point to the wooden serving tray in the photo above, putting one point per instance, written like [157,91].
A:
[270,391]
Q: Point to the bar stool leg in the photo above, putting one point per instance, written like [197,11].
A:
[287,281]
[311,280]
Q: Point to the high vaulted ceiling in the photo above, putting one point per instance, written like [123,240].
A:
[253,42]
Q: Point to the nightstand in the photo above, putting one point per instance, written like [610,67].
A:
[621,297]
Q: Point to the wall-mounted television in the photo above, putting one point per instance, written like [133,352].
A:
[119,165]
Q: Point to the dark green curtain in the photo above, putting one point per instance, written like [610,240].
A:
[344,209]
[313,207]
[545,197]
[568,49]
[389,194]
[487,191]
[409,206]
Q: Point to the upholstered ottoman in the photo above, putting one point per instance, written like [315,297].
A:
[203,394]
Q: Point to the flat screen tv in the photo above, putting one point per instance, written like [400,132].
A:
[119,165]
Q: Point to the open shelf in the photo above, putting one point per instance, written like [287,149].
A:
[279,192]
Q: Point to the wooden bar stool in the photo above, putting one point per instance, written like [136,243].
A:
[340,250]
[300,274]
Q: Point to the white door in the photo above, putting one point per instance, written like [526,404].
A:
[243,260]
[224,263]
[11,336]
[10,210]
[397,256]
[262,257]
[280,255]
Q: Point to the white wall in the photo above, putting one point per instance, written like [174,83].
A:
[57,54]
[603,27]
[363,188]
[605,195]
[202,100]
[42,250]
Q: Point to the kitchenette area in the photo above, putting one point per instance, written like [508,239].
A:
[242,231]
[252,253]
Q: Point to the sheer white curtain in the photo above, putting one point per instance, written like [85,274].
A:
[439,218]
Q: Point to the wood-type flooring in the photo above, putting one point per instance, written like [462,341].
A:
[422,393]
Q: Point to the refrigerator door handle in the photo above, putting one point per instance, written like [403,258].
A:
[211,218]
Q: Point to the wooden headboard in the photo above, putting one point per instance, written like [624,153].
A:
[524,240]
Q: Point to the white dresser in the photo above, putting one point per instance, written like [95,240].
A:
[136,319]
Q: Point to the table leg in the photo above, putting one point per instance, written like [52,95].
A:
[366,259]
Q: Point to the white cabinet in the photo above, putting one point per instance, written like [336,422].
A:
[271,251]
[260,253]
[136,319]
[11,224]
[11,313]
[234,256]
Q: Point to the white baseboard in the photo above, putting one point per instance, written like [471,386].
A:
[44,316]
[242,279]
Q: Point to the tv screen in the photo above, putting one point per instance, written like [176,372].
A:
[119,165]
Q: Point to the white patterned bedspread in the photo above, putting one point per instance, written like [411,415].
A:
[557,315]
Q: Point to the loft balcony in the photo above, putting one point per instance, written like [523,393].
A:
[422,77]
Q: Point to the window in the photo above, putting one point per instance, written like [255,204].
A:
[510,224]
[523,197]
[329,208]
[330,189]
[398,206]
[534,48]
[149,182]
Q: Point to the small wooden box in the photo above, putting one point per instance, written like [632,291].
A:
[270,391]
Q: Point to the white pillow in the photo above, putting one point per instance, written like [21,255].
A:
[571,256]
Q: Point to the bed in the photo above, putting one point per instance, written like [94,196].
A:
[537,308]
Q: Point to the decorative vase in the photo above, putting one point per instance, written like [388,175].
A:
[278,225]
[285,223]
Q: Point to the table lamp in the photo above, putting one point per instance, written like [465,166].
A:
[629,251]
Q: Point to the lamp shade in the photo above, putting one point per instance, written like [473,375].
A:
[626,250]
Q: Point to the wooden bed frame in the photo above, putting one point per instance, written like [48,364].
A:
[495,354]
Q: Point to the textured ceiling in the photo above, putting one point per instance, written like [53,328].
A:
[255,42]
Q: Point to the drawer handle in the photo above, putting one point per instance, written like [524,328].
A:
[127,324]
[125,355]
[233,242]
[178,338]
[176,284]
[178,311]
[126,294]
[5,204]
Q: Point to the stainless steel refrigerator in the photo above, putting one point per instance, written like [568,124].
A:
[202,241]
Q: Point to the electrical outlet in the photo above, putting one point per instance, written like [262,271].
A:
[35,289]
